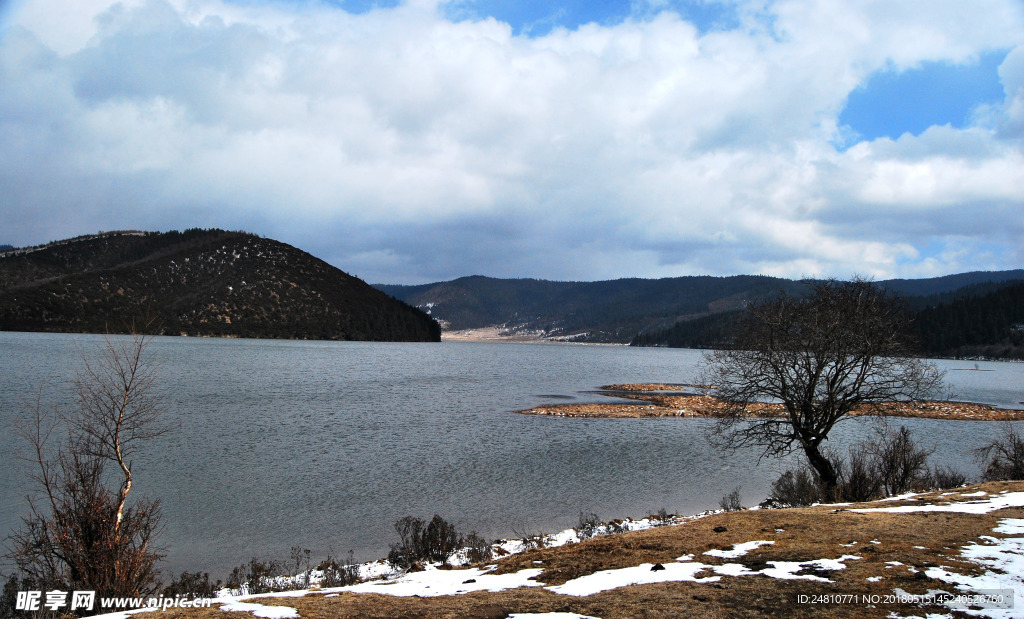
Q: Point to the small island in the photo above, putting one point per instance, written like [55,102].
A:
[663,400]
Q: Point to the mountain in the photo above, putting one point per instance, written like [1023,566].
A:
[692,312]
[197,282]
[989,325]
[604,311]
[984,318]
[947,284]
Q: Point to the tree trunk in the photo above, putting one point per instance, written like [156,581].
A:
[823,467]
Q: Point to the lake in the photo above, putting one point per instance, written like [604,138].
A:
[324,445]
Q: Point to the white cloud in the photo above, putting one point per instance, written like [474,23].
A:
[643,148]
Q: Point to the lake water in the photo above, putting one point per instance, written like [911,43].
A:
[324,445]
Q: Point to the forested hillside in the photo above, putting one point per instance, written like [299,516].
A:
[197,282]
[991,325]
[981,320]
[962,314]
[604,311]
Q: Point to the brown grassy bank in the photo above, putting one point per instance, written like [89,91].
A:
[882,553]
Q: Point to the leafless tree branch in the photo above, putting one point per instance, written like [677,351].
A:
[843,347]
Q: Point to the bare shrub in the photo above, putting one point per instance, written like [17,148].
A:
[8,601]
[477,548]
[420,542]
[81,532]
[440,540]
[795,489]
[860,481]
[948,477]
[901,464]
[731,501]
[194,584]
[406,552]
[529,540]
[1003,458]
[301,561]
[587,526]
[258,576]
[339,574]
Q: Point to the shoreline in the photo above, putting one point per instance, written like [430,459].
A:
[908,554]
[665,400]
[495,334]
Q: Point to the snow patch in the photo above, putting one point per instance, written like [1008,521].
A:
[639,575]
[550,616]
[738,550]
[261,610]
[689,571]
[433,582]
[1010,499]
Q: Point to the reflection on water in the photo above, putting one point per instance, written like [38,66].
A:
[325,444]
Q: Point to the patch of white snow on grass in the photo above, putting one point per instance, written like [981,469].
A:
[568,536]
[1004,560]
[549,616]
[1010,499]
[789,570]
[261,610]
[900,497]
[738,550]
[688,571]
[639,575]
[433,582]
[375,569]
[1010,526]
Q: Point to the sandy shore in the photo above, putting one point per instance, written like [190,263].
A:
[661,400]
[487,334]
[496,334]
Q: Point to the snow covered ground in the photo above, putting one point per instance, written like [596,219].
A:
[1003,558]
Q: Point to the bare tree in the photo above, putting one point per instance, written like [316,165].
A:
[117,407]
[843,347]
[81,532]
[900,463]
[1003,457]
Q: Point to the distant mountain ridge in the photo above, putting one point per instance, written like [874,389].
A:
[682,311]
[950,283]
[603,311]
[196,282]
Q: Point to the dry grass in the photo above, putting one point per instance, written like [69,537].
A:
[915,540]
[656,403]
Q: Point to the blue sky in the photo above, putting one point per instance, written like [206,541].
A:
[420,140]
[894,102]
[534,17]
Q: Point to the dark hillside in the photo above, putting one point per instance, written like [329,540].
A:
[197,282]
[990,326]
[952,283]
[603,311]
[983,320]
[713,331]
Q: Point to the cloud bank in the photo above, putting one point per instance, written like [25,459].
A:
[403,145]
